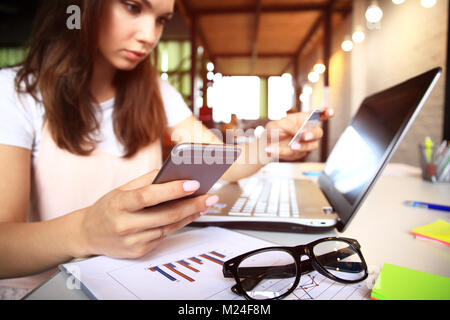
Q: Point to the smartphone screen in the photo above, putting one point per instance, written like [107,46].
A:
[309,124]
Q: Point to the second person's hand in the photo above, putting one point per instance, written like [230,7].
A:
[286,129]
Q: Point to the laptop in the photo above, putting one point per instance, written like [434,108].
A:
[351,170]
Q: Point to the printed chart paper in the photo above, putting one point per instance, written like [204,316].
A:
[188,266]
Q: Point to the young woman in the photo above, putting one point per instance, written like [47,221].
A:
[80,128]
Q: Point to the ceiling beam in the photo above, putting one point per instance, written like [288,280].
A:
[249,55]
[189,16]
[288,8]
[326,15]
[302,46]
[255,43]
[244,74]
[257,9]
[311,33]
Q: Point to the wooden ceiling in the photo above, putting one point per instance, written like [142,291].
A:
[260,37]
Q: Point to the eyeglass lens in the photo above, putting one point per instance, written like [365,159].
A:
[267,275]
[340,259]
[271,274]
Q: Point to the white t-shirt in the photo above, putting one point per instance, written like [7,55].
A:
[21,119]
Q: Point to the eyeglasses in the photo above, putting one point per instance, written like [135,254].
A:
[274,272]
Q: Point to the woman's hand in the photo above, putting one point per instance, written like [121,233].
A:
[132,220]
[286,129]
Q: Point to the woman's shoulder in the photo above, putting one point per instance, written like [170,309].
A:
[8,87]
[169,94]
[165,87]
[174,105]
[19,113]
[9,71]
[7,77]
[17,108]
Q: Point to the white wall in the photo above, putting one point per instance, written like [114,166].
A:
[412,40]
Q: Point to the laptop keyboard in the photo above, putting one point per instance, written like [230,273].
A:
[267,198]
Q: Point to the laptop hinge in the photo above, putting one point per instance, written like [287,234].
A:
[328,210]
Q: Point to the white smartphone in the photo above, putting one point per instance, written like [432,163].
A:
[309,124]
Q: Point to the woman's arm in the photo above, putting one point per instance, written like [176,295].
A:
[271,145]
[28,248]
[128,222]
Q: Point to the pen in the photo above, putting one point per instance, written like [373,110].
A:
[425,205]
[312,174]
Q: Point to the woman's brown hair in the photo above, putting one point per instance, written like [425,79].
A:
[60,65]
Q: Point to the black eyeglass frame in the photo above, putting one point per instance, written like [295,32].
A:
[230,267]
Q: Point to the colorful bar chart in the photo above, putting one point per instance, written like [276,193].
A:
[210,258]
[196,260]
[186,265]
[172,267]
[174,271]
[165,274]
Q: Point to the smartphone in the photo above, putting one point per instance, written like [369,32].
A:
[311,122]
[205,163]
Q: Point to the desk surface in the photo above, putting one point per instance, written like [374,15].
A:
[382,226]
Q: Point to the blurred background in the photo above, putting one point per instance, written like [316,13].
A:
[240,63]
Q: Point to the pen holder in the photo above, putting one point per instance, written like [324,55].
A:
[427,163]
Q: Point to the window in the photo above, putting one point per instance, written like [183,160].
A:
[281,96]
[238,95]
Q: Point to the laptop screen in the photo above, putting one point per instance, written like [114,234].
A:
[371,138]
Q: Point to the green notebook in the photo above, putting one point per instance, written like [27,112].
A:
[398,283]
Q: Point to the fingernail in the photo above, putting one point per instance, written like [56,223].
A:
[190,186]
[211,201]
[309,136]
[296,146]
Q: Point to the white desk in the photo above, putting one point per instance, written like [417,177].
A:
[382,226]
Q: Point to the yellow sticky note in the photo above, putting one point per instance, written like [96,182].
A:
[438,230]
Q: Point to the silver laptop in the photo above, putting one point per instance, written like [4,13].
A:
[351,170]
